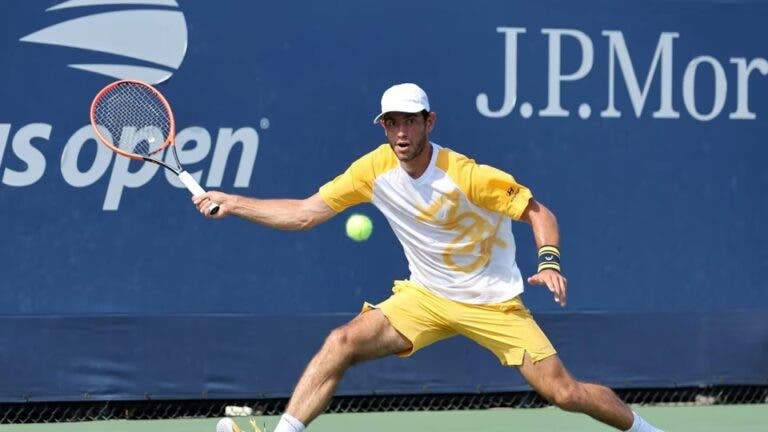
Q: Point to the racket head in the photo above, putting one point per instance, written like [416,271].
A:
[133,119]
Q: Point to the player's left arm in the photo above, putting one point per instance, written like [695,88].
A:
[496,190]
[546,233]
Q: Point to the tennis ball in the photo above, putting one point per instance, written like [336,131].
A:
[359,227]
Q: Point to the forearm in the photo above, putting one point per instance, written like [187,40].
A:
[546,233]
[283,214]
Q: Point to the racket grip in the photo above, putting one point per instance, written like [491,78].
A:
[194,187]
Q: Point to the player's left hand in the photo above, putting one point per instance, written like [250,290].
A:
[556,282]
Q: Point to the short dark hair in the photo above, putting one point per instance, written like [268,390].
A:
[424,115]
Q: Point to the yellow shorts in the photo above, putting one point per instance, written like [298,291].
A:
[507,329]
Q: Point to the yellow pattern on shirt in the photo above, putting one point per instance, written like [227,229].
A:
[475,233]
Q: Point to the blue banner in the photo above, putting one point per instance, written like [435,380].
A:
[641,125]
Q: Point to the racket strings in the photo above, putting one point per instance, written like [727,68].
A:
[135,117]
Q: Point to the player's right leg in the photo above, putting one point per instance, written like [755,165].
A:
[368,336]
[404,323]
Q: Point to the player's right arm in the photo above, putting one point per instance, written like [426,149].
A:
[352,187]
[284,214]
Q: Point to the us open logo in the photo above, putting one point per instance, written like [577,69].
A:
[142,40]
[156,38]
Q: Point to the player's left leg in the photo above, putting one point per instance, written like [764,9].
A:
[509,331]
[551,380]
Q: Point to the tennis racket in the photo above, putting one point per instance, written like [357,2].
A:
[135,120]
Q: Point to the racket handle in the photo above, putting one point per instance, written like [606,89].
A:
[194,187]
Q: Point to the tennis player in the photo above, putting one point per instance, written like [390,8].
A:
[453,218]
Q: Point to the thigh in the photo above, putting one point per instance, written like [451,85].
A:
[372,336]
[416,314]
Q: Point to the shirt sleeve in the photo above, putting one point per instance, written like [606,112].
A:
[498,191]
[354,186]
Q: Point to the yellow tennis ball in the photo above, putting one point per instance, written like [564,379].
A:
[359,227]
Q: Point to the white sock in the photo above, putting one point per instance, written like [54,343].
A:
[640,425]
[289,423]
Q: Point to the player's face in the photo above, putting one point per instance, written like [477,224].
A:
[407,133]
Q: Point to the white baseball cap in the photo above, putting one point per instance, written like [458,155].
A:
[407,98]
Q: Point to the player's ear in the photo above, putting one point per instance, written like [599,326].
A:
[431,119]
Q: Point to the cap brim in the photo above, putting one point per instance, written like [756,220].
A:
[410,109]
[378,117]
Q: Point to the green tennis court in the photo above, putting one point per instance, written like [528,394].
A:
[722,418]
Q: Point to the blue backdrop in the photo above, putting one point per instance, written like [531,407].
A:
[640,125]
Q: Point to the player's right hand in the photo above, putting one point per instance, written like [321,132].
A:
[204,201]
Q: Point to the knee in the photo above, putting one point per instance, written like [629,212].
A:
[567,396]
[340,344]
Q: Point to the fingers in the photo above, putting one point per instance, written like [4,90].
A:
[560,290]
[197,199]
[554,281]
[205,201]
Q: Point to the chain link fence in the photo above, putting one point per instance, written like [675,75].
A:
[47,412]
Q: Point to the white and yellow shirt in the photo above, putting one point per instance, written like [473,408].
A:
[453,221]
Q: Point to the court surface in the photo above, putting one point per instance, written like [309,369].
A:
[724,418]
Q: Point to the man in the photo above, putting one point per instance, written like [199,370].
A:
[453,218]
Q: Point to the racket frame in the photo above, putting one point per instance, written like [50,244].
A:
[189,182]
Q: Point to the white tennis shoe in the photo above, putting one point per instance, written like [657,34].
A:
[227,425]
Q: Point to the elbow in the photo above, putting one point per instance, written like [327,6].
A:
[537,212]
[551,216]
[305,220]
[311,212]
[305,223]
[548,219]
